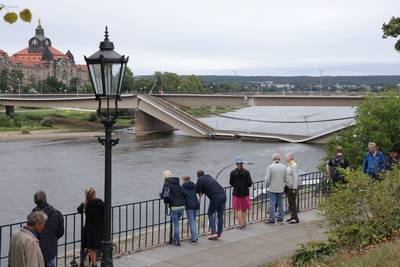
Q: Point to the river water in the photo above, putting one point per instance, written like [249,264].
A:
[63,169]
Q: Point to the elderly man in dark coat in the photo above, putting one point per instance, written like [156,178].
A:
[53,230]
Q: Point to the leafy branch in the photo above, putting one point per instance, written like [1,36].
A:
[392,29]
[11,16]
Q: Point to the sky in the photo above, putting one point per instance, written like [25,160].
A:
[217,37]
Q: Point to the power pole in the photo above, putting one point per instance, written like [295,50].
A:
[234,79]
[320,80]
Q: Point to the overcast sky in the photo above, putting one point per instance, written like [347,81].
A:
[254,37]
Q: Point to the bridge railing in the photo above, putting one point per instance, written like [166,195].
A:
[140,225]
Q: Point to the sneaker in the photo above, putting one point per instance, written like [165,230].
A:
[213,236]
[293,221]
[281,222]
[269,222]
[288,220]
[194,242]
[219,236]
[177,243]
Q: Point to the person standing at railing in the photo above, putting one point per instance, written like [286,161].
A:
[241,182]
[292,187]
[215,192]
[173,197]
[334,165]
[275,181]
[24,250]
[374,162]
[93,231]
[192,207]
[53,231]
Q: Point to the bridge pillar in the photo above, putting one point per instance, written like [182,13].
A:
[9,111]
[147,124]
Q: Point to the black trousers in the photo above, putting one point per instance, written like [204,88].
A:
[292,199]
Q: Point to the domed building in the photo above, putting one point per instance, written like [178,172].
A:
[41,60]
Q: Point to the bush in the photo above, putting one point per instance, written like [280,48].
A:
[47,122]
[313,251]
[6,122]
[92,117]
[25,130]
[361,212]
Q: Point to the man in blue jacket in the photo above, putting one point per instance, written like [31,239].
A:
[374,162]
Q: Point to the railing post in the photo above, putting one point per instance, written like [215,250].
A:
[171,238]
[82,250]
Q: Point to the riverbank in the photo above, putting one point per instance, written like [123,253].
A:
[58,124]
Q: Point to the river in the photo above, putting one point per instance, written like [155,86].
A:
[63,169]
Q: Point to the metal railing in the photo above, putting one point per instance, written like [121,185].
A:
[140,225]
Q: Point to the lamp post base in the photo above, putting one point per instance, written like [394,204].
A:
[106,258]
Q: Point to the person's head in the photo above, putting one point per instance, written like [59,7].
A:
[36,221]
[239,162]
[339,150]
[371,147]
[393,153]
[200,173]
[167,174]
[289,156]
[185,179]
[40,198]
[90,193]
[276,157]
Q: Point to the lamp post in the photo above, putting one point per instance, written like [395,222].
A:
[106,69]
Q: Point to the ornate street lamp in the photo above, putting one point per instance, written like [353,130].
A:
[107,70]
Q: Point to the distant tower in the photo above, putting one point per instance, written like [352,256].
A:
[39,42]
[70,56]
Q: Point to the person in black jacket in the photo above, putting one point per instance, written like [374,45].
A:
[93,230]
[192,206]
[172,195]
[241,181]
[215,192]
[54,229]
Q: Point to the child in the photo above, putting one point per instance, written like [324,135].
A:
[192,206]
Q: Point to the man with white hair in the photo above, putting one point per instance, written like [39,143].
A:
[292,187]
[24,248]
[275,180]
[374,162]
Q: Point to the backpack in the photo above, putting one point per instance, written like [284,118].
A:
[166,194]
[337,163]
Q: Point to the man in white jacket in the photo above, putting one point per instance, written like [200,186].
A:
[275,180]
[292,187]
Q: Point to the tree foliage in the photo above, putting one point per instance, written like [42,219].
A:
[128,81]
[392,29]
[377,120]
[52,85]
[11,16]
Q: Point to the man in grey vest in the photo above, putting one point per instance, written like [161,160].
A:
[275,181]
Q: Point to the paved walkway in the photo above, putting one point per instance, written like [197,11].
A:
[256,245]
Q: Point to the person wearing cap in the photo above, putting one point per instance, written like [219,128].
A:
[393,159]
[24,249]
[240,180]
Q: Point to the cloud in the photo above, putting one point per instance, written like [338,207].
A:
[257,37]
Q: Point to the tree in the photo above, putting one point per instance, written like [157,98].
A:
[392,29]
[4,80]
[11,16]
[128,81]
[52,85]
[73,84]
[377,120]
[192,84]
[16,78]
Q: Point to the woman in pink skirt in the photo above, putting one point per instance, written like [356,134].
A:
[240,180]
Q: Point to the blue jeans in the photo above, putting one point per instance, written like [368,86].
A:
[217,204]
[51,263]
[191,216]
[275,200]
[175,216]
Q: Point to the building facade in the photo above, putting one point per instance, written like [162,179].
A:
[41,60]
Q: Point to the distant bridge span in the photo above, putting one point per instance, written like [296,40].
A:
[162,113]
[187,100]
